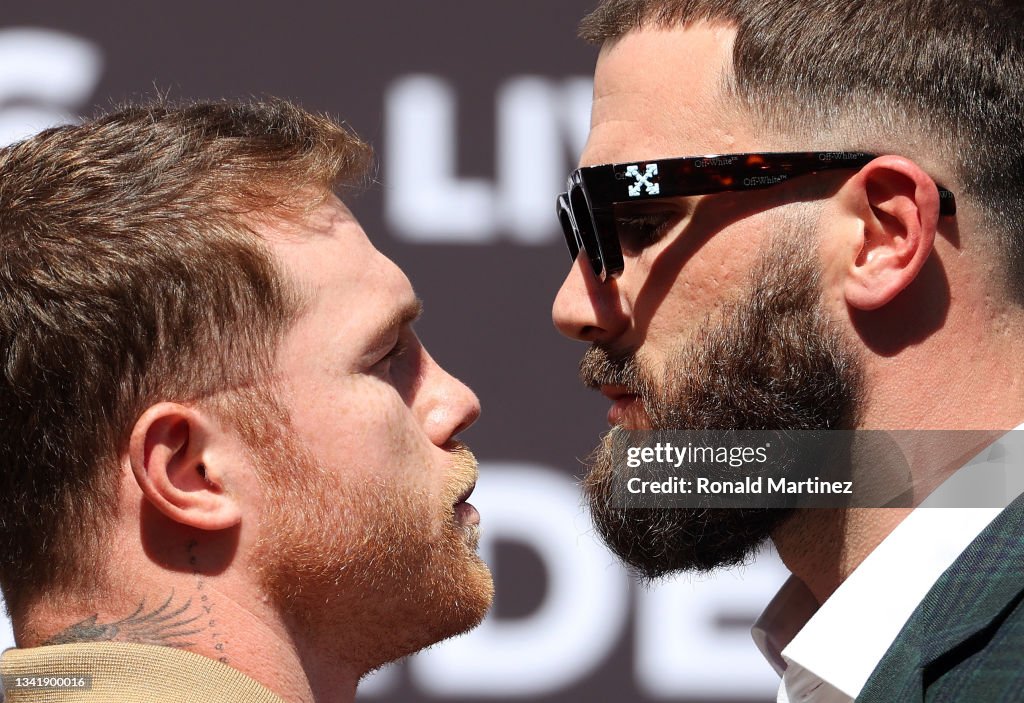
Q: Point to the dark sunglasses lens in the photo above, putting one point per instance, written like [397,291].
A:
[585,228]
[572,239]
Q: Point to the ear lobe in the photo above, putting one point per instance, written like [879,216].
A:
[898,206]
[168,451]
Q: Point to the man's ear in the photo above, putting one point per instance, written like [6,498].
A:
[171,458]
[897,205]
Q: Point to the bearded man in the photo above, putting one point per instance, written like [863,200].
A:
[230,469]
[807,215]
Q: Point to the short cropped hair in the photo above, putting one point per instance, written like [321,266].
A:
[944,75]
[130,273]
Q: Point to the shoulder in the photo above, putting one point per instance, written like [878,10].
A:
[965,641]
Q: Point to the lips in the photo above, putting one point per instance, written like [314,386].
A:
[620,409]
[626,407]
[466,513]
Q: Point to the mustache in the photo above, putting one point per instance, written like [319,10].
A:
[464,470]
[603,367]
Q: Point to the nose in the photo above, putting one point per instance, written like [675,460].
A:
[587,309]
[451,406]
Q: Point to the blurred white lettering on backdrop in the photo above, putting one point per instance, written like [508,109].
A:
[540,123]
[45,76]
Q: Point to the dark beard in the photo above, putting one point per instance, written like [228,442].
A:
[773,361]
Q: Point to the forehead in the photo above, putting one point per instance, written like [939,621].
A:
[349,286]
[659,93]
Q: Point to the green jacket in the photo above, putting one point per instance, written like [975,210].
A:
[965,641]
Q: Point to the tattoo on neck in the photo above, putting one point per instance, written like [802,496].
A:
[166,626]
[206,605]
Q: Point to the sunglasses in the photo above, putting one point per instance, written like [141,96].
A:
[587,210]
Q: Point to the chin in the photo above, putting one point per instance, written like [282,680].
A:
[464,606]
[655,542]
[443,605]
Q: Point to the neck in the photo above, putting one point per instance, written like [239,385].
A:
[201,615]
[954,369]
[822,547]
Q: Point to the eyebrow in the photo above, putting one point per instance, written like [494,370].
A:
[405,315]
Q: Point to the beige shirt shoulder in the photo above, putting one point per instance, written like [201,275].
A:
[120,672]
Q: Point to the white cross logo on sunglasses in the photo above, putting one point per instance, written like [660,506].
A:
[643,180]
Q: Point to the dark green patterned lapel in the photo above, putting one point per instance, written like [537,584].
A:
[965,641]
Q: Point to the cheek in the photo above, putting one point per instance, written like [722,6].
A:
[364,429]
[679,296]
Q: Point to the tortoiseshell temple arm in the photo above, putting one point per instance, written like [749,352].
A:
[704,175]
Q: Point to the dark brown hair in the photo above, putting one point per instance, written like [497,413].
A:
[130,273]
[944,75]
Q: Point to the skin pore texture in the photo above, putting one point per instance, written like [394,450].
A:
[322,533]
[896,291]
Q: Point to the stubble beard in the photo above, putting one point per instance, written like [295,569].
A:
[773,360]
[371,573]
